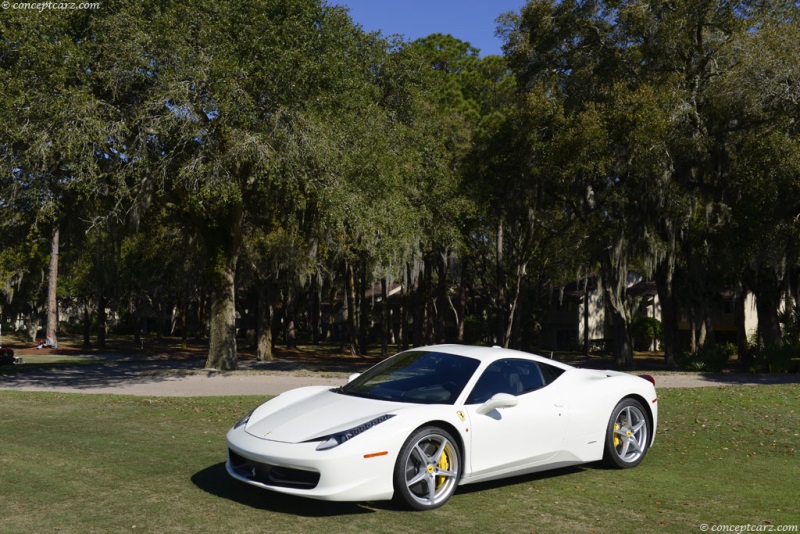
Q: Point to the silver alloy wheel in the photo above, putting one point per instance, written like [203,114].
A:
[430,469]
[630,434]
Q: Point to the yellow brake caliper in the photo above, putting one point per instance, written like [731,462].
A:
[616,439]
[444,465]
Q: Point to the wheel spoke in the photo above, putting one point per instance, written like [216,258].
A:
[438,454]
[431,489]
[421,454]
[625,444]
[419,476]
[446,473]
[635,428]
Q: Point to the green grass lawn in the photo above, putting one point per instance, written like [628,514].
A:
[102,463]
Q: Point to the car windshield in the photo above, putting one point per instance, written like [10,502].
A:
[415,376]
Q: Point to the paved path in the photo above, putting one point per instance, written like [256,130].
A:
[157,377]
[184,379]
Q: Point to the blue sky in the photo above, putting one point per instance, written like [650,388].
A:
[469,20]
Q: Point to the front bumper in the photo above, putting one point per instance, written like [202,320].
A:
[345,473]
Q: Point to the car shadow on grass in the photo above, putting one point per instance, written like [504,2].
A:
[216,481]
[522,479]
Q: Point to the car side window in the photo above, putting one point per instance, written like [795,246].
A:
[512,376]
[549,372]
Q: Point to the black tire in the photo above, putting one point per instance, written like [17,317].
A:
[428,469]
[627,435]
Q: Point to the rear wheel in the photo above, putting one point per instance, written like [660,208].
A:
[627,435]
[427,470]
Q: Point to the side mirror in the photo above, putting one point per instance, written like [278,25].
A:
[499,400]
[353,377]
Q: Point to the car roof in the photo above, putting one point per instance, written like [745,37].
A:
[490,354]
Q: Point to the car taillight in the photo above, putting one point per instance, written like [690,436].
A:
[649,379]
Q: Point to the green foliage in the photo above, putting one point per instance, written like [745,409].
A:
[476,331]
[190,150]
[711,357]
[784,358]
[790,323]
[645,331]
[667,131]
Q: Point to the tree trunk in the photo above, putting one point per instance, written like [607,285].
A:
[404,312]
[385,326]
[137,320]
[184,310]
[500,289]
[768,299]
[701,326]
[586,333]
[349,340]
[708,322]
[162,321]
[332,334]
[363,316]
[344,335]
[522,271]
[615,270]
[443,299]
[315,310]
[222,323]
[419,310]
[428,302]
[623,352]
[33,326]
[52,288]
[669,317]
[222,331]
[202,323]
[264,327]
[740,325]
[87,325]
[290,332]
[462,301]
[101,321]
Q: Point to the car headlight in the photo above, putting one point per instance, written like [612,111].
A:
[334,440]
[243,420]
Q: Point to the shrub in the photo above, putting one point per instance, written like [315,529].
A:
[644,331]
[790,323]
[784,358]
[711,357]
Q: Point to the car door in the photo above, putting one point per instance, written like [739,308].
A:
[512,438]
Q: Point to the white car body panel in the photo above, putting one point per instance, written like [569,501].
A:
[524,435]
[319,414]
[561,424]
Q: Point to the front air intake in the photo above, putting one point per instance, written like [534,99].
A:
[272,475]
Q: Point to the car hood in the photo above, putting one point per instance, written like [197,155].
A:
[316,416]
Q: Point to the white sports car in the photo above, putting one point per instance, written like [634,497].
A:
[420,423]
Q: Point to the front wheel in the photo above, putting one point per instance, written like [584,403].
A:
[427,470]
[627,435]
